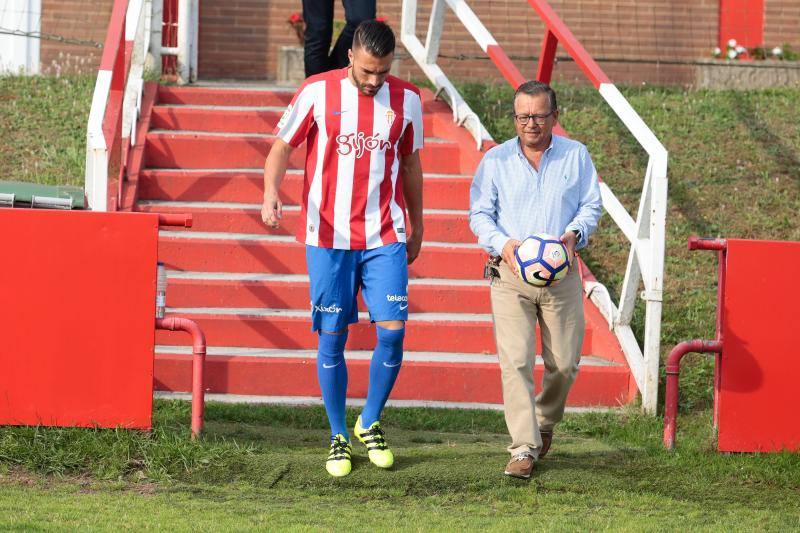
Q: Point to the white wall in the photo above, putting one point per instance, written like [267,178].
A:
[17,53]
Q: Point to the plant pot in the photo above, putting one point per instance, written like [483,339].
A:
[722,74]
[291,65]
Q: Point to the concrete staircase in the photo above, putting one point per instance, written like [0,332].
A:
[246,284]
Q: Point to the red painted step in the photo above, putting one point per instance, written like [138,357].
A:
[440,191]
[291,292]
[226,119]
[292,330]
[216,119]
[439,226]
[595,385]
[224,96]
[184,149]
[288,257]
[269,310]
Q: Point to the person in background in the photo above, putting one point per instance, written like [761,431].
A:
[318,16]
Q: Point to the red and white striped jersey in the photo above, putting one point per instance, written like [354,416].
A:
[353,193]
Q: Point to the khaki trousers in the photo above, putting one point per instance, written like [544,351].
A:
[516,308]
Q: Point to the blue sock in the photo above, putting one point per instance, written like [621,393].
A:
[332,374]
[383,372]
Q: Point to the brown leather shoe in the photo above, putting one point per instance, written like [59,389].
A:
[521,466]
[547,440]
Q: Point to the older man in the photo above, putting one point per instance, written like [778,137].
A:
[536,182]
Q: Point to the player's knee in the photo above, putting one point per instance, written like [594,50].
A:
[331,345]
[391,340]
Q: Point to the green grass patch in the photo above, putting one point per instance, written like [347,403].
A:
[263,466]
[43,128]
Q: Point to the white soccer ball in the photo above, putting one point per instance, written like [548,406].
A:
[542,260]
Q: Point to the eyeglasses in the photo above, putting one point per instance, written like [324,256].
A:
[538,119]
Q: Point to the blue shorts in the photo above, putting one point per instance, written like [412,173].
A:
[337,275]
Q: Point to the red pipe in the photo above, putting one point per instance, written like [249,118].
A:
[198,364]
[175,220]
[673,373]
[697,243]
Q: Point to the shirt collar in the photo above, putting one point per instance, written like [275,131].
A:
[518,146]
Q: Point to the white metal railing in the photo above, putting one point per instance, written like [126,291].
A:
[426,56]
[105,134]
[646,234]
[134,26]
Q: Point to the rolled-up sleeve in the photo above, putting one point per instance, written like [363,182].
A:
[483,209]
[590,205]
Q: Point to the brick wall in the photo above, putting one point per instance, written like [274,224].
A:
[240,38]
[86,20]
[782,23]
[634,41]
[650,30]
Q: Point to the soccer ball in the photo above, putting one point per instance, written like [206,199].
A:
[542,260]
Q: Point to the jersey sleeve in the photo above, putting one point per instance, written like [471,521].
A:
[298,118]
[413,135]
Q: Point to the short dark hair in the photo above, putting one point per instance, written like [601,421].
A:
[532,88]
[375,37]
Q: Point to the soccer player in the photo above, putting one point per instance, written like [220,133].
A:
[363,132]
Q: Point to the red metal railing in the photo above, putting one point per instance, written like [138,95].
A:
[106,149]
[699,346]
[116,58]
[555,33]
[169,37]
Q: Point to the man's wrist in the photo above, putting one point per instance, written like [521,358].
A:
[577,234]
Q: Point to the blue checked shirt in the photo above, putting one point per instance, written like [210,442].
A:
[509,199]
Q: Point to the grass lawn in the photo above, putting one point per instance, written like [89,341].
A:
[734,172]
[262,467]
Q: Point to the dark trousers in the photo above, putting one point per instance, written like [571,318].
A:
[318,16]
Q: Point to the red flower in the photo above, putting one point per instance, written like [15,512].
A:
[295,18]
[382,19]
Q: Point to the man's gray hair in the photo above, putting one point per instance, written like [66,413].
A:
[532,88]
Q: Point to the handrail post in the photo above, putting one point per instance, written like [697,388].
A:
[408,19]
[434,32]
[184,38]
[547,56]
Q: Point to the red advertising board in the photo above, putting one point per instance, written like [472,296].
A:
[77,320]
[760,365]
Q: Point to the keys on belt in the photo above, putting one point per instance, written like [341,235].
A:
[491,269]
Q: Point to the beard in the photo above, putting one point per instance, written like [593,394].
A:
[365,88]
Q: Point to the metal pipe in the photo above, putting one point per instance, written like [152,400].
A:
[198,365]
[698,243]
[673,370]
[175,220]
[721,246]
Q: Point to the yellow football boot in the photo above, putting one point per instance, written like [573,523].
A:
[338,463]
[373,438]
